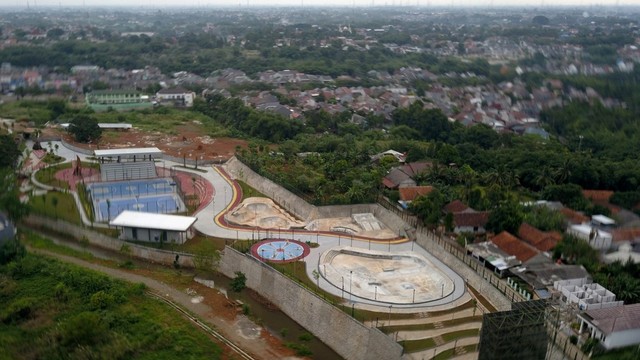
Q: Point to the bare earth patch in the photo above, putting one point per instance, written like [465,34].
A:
[188,142]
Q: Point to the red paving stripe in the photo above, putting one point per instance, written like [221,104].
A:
[222,221]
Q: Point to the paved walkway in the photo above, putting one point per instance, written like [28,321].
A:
[226,196]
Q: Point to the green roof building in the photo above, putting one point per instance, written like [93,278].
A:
[119,100]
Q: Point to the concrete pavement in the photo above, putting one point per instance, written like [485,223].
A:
[210,222]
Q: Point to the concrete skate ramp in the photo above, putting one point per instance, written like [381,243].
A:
[266,214]
[393,278]
[263,213]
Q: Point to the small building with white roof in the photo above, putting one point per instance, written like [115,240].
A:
[601,220]
[597,239]
[144,226]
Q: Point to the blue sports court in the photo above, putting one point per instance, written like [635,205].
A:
[151,195]
[131,188]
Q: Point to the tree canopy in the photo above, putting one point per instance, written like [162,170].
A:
[85,128]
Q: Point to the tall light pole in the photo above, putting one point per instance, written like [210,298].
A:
[350,281]
[390,306]
[375,296]
[580,142]
[413,300]
[442,289]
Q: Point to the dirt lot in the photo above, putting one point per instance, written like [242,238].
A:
[189,142]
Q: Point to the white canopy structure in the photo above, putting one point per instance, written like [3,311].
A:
[144,226]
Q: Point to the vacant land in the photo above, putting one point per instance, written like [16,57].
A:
[55,310]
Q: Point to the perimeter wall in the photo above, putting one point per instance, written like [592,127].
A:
[345,335]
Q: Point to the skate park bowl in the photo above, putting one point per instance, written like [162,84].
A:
[390,278]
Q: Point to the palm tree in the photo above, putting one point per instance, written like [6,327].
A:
[356,191]
[544,178]
[563,172]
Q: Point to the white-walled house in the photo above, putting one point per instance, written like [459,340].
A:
[597,239]
[615,327]
[177,96]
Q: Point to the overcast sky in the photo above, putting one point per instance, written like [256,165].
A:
[361,3]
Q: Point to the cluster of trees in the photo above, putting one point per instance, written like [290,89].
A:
[85,128]
[489,167]
[10,203]
[247,121]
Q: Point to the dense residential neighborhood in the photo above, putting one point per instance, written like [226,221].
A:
[435,182]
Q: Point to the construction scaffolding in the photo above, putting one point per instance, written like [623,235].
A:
[519,334]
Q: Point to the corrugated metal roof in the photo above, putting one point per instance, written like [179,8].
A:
[128,151]
[145,220]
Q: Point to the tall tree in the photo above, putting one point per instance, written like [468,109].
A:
[9,152]
[506,217]
[85,128]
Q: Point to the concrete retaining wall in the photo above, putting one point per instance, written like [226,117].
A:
[305,211]
[427,241]
[103,241]
[191,162]
[345,335]
[291,202]
[388,218]
[76,148]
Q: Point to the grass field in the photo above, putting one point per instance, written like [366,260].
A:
[63,207]
[54,310]
[30,110]
[165,120]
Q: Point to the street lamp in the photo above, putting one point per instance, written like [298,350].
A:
[375,296]
[342,296]
[413,300]
[350,280]
[580,143]
[442,289]
[390,306]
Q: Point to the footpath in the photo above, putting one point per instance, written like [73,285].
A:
[234,331]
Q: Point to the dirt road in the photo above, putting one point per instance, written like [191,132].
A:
[238,331]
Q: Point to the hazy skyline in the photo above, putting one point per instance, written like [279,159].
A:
[310,3]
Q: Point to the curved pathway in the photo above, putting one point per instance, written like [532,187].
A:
[259,348]
[227,194]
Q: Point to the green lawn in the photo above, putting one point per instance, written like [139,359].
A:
[430,326]
[411,346]
[65,209]
[26,110]
[47,175]
[38,242]
[248,191]
[60,311]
